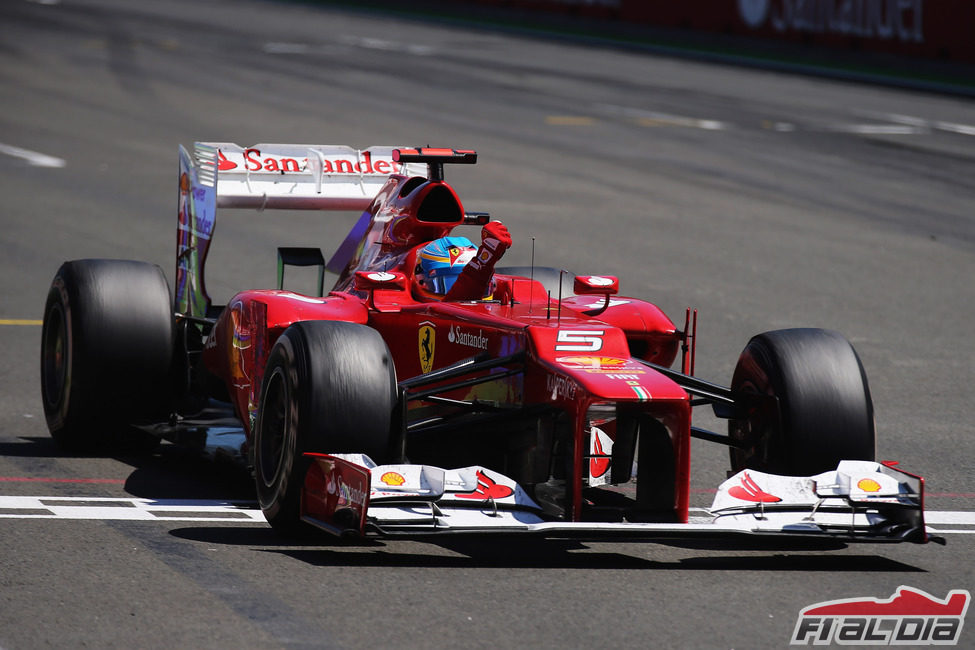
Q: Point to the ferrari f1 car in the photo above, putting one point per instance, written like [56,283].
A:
[544,403]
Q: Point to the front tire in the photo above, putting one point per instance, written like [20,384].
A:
[824,414]
[328,387]
[106,353]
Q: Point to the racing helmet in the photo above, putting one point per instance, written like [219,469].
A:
[441,261]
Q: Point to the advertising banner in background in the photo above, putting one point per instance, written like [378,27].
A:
[933,29]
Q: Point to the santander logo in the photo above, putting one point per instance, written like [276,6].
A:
[255,160]
[224,163]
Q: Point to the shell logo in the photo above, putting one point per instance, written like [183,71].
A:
[392,478]
[868,485]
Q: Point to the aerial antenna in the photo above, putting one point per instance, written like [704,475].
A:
[531,280]
[558,320]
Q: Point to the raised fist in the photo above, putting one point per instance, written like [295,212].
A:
[496,234]
[475,280]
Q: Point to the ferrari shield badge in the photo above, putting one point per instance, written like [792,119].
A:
[427,342]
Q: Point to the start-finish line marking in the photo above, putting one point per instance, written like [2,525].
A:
[129,509]
[134,509]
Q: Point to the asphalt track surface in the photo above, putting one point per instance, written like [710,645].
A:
[763,200]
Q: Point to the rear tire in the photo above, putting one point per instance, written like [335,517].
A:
[106,353]
[824,415]
[328,387]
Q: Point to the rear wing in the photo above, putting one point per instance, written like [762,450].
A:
[267,176]
[298,176]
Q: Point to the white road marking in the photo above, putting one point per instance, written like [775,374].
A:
[278,47]
[370,43]
[32,157]
[963,129]
[925,125]
[129,509]
[878,129]
[949,517]
[247,512]
[285,48]
[664,119]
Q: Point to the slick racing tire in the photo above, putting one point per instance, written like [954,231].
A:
[328,387]
[106,353]
[548,276]
[823,412]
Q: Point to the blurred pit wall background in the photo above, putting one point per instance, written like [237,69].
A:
[923,44]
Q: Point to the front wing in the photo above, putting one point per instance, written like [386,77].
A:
[349,495]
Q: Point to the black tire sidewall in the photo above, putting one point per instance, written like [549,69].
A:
[118,347]
[275,487]
[56,399]
[825,411]
[340,392]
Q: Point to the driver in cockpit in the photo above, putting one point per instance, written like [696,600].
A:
[450,268]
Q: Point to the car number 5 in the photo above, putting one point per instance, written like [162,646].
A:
[580,340]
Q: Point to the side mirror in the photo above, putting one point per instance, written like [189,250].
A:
[372,280]
[596,285]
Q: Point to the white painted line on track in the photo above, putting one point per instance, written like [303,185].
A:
[135,509]
[383,45]
[949,531]
[963,129]
[286,48]
[372,43]
[128,509]
[33,158]
[878,129]
[949,517]
[925,125]
[664,119]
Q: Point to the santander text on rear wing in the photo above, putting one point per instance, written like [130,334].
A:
[298,176]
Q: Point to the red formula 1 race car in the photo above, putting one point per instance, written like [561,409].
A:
[435,391]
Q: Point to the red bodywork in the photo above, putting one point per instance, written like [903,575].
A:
[571,361]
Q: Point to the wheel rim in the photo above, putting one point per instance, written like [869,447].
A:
[754,430]
[275,421]
[55,365]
